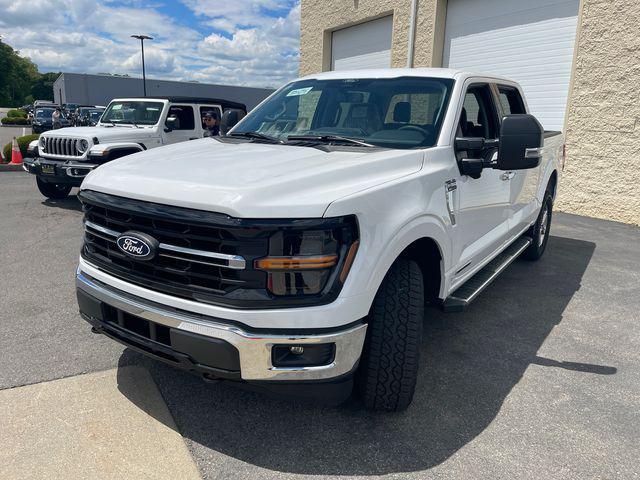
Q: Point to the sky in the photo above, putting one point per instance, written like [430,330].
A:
[239,42]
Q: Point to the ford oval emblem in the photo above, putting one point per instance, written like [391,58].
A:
[137,245]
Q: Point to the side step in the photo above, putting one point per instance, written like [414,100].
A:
[468,291]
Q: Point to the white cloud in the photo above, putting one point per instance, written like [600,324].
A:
[252,42]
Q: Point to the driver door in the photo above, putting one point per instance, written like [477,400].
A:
[185,126]
[483,203]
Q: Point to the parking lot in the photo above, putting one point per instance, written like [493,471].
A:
[540,378]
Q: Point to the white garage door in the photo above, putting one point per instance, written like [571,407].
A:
[367,45]
[530,41]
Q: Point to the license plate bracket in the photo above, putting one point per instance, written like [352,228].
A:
[47,169]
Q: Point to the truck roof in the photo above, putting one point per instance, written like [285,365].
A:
[402,72]
[181,99]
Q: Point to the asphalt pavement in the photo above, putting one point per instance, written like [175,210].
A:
[539,379]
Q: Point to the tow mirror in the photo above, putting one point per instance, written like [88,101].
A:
[229,119]
[170,124]
[521,140]
[474,154]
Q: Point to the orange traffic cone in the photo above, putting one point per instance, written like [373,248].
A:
[16,156]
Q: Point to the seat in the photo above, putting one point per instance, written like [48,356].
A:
[402,112]
[364,116]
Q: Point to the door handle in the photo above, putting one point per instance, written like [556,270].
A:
[507,175]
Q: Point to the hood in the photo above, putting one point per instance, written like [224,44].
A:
[250,180]
[105,134]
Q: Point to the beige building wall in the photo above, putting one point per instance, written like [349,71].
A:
[320,17]
[602,173]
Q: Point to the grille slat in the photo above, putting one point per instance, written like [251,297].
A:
[176,273]
[62,146]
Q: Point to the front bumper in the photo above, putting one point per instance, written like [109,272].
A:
[254,349]
[60,172]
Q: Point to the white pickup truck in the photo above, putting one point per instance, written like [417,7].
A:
[297,254]
[60,159]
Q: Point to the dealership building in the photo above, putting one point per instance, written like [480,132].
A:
[577,60]
[87,89]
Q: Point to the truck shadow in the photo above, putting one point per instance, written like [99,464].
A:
[470,363]
[69,203]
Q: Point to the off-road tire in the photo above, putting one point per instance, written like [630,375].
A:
[539,231]
[54,191]
[389,366]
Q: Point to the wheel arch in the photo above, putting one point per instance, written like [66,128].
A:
[552,185]
[426,243]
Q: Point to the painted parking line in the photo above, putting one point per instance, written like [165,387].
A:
[106,425]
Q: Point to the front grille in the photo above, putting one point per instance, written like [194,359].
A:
[175,270]
[62,146]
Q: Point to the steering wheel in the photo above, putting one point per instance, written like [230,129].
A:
[415,128]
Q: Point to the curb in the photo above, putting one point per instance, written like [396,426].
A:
[5,167]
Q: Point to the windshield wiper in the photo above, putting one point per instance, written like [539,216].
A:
[256,135]
[328,139]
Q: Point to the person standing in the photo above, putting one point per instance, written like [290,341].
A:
[55,118]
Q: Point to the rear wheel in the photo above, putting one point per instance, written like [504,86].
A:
[55,191]
[539,231]
[389,365]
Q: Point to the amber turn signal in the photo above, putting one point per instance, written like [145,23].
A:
[296,263]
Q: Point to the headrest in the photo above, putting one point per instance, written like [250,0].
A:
[402,112]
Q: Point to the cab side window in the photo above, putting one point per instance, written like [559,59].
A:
[184,114]
[510,100]
[478,116]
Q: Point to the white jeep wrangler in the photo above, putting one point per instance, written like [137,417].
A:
[61,158]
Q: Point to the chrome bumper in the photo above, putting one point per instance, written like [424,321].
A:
[254,349]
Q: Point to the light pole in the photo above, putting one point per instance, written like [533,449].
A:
[142,38]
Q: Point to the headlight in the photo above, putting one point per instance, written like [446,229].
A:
[82,145]
[310,262]
[42,142]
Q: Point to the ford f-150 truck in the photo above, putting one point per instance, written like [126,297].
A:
[60,159]
[297,253]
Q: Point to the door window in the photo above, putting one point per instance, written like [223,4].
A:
[209,109]
[510,100]
[478,116]
[184,116]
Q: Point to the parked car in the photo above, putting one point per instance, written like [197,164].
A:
[43,121]
[88,116]
[298,252]
[61,159]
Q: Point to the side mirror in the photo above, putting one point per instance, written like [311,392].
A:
[474,154]
[170,124]
[229,120]
[521,140]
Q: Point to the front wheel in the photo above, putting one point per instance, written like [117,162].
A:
[539,231]
[389,365]
[54,191]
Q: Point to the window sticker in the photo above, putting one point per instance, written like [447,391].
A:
[299,91]
[117,106]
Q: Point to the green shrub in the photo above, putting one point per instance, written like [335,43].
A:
[17,113]
[23,143]
[15,121]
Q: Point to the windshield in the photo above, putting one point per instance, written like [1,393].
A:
[139,113]
[44,113]
[404,112]
[95,114]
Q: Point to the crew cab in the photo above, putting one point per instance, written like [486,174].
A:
[298,253]
[61,158]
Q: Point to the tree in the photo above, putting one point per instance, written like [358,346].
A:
[17,77]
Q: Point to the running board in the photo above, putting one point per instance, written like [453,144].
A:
[468,291]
